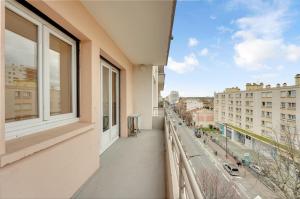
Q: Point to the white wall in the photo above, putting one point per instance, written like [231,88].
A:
[155,86]
[142,94]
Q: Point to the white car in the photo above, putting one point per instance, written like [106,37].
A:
[256,169]
[231,169]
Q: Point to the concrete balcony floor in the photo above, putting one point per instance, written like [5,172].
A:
[132,168]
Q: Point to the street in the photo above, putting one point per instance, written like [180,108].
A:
[202,158]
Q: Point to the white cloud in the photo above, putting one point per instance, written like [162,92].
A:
[279,67]
[203,52]
[193,42]
[259,41]
[252,54]
[212,17]
[223,29]
[292,52]
[188,64]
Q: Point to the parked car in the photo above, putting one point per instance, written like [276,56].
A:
[197,133]
[231,169]
[180,123]
[256,169]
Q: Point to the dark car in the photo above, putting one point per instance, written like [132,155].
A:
[198,133]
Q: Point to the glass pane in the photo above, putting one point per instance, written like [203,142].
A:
[60,66]
[21,55]
[114,98]
[105,95]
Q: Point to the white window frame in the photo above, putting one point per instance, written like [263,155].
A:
[44,120]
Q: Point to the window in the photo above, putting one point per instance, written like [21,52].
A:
[267,94]
[282,105]
[40,74]
[292,117]
[283,94]
[21,55]
[292,105]
[291,93]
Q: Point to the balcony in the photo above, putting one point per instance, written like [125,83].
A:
[130,168]
[151,164]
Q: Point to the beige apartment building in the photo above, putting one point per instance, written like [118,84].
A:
[259,114]
[71,73]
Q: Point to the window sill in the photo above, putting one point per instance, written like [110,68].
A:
[19,148]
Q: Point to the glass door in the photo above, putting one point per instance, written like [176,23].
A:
[110,105]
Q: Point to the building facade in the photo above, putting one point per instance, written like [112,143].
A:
[173,97]
[260,114]
[202,117]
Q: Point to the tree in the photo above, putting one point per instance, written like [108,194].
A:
[281,163]
[215,187]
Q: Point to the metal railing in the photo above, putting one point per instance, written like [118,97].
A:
[188,187]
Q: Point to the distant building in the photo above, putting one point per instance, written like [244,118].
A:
[190,103]
[202,117]
[259,113]
[173,97]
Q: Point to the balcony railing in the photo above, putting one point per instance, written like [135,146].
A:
[184,184]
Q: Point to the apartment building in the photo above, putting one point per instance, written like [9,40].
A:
[202,117]
[259,114]
[71,73]
[173,97]
[190,103]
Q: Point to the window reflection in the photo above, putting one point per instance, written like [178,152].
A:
[114,98]
[21,84]
[105,99]
[60,62]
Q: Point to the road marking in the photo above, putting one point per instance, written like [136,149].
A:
[243,189]
[236,190]
[225,177]
[194,170]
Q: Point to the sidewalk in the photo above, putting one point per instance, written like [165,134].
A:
[235,149]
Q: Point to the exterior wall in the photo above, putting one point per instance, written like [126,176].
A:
[193,104]
[56,172]
[142,85]
[155,93]
[60,169]
[2,80]
[203,117]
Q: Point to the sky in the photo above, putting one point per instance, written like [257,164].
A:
[220,44]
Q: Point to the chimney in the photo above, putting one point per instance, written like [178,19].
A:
[278,85]
[284,84]
[297,80]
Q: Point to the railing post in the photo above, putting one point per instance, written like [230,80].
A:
[181,180]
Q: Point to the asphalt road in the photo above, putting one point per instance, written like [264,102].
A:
[202,158]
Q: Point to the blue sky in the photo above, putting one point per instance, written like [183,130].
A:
[219,44]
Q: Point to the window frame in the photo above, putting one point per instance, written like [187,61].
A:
[45,120]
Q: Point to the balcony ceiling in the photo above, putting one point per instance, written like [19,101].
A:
[142,29]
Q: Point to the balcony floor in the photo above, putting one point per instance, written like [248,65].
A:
[132,168]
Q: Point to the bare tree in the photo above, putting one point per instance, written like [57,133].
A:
[281,163]
[214,187]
